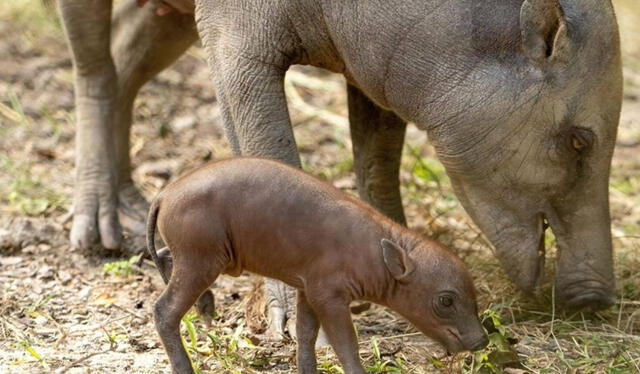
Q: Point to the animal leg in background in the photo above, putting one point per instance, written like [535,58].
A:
[378,137]
[143,44]
[88,27]
[251,95]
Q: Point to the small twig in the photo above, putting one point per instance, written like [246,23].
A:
[628,144]
[394,337]
[129,312]
[313,83]
[553,319]
[620,311]
[633,360]
[86,357]
[628,302]
[630,319]
[627,237]
[63,332]
[66,218]
[13,328]
[311,111]
[82,359]
[108,322]
[451,362]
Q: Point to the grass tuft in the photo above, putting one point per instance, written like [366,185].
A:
[24,193]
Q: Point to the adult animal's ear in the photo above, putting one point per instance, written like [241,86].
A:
[397,260]
[544,31]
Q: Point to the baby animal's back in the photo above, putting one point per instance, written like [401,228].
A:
[272,219]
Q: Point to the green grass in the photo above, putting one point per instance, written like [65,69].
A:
[230,353]
[35,18]
[122,268]
[382,365]
[24,193]
[14,111]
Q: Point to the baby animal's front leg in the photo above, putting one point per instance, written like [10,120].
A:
[335,317]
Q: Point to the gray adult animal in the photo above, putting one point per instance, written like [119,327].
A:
[521,100]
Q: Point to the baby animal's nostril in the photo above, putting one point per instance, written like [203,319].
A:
[480,344]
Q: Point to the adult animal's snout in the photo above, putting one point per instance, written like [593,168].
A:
[592,301]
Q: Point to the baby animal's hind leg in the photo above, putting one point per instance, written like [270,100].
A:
[307,326]
[190,279]
[165,264]
[205,306]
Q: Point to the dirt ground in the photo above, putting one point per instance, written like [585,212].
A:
[69,311]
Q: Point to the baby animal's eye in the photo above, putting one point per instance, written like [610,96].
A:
[446,301]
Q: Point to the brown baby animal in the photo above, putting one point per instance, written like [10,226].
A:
[276,221]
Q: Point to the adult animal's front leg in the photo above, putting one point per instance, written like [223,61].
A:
[255,104]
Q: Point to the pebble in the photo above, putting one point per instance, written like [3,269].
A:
[84,293]
[8,261]
[183,123]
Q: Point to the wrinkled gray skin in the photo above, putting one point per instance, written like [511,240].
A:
[520,99]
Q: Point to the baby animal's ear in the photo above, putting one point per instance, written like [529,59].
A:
[397,260]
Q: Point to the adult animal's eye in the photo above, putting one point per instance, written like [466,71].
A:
[446,301]
[580,139]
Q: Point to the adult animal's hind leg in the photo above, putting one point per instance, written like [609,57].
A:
[88,26]
[183,290]
[143,44]
[378,137]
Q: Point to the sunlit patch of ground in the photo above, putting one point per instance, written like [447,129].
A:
[74,312]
